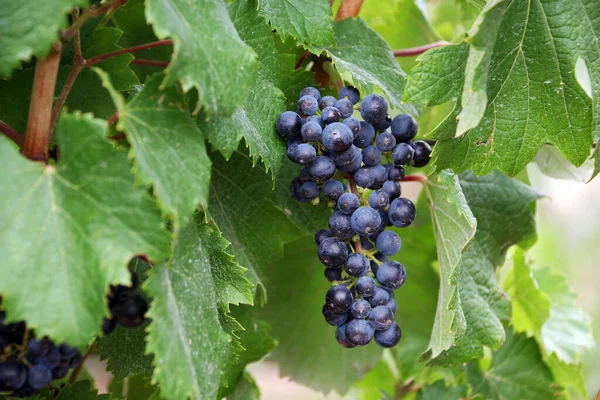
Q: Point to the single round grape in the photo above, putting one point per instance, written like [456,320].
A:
[67,352]
[339,298]
[333,318]
[129,311]
[391,275]
[365,286]
[333,274]
[402,212]
[327,101]
[354,126]
[357,265]
[404,128]
[305,154]
[309,190]
[363,178]
[354,164]
[359,332]
[108,325]
[304,175]
[379,175]
[345,157]
[36,348]
[289,124]
[422,153]
[381,318]
[322,169]
[346,108]
[340,336]
[340,225]
[337,137]
[311,91]
[389,337]
[333,252]
[392,188]
[12,375]
[348,203]
[311,131]
[317,119]
[380,297]
[366,244]
[388,243]
[373,108]
[295,190]
[396,173]
[366,136]
[360,309]
[60,372]
[333,189]
[384,123]
[308,105]
[39,376]
[384,222]
[365,221]
[371,156]
[379,200]
[391,305]
[403,154]
[329,115]
[385,142]
[351,93]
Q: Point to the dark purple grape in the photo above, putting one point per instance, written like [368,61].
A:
[373,108]
[388,243]
[333,189]
[329,115]
[365,286]
[384,123]
[357,265]
[363,178]
[389,337]
[381,318]
[360,309]
[365,221]
[348,203]
[379,200]
[396,173]
[337,137]
[391,275]
[311,91]
[422,153]
[346,108]
[380,297]
[351,93]
[289,124]
[403,154]
[333,318]
[327,101]
[333,252]
[340,225]
[12,375]
[366,136]
[309,190]
[339,298]
[340,336]
[322,169]
[402,212]
[359,332]
[311,131]
[404,128]
[308,105]
[321,235]
[333,274]
[392,188]
[371,156]
[354,126]
[386,142]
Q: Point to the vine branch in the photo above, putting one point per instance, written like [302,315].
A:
[37,135]
[415,51]
[154,63]
[414,178]
[349,9]
[102,57]
[78,369]
[12,134]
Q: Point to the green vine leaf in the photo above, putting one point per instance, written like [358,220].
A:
[504,212]
[294,312]
[439,390]
[80,220]
[516,372]
[191,292]
[361,51]
[307,21]
[533,96]
[454,226]
[208,53]
[246,389]
[124,351]
[81,390]
[167,147]
[30,28]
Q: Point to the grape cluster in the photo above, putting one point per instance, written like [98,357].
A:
[127,307]
[335,148]
[28,364]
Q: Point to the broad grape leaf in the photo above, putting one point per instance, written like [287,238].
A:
[189,343]
[567,332]
[124,351]
[533,96]
[361,51]
[439,390]
[307,21]
[530,305]
[503,208]
[569,377]
[517,371]
[246,389]
[82,390]
[454,227]
[307,350]
[552,163]
[255,342]
[208,53]
[243,206]
[29,28]
[80,220]
[167,147]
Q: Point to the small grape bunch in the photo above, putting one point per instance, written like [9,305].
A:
[127,307]
[28,364]
[356,165]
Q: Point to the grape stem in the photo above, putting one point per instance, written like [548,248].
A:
[154,63]
[349,9]
[78,369]
[12,133]
[37,135]
[414,178]
[415,51]
[133,49]
[403,389]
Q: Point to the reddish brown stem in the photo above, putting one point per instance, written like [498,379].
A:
[349,9]
[304,56]
[113,118]
[415,51]
[78,369]
[102,57]
[154,63]
[414,178]
[37,135]
[12,133]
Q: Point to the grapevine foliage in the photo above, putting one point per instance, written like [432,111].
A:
[150,213]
